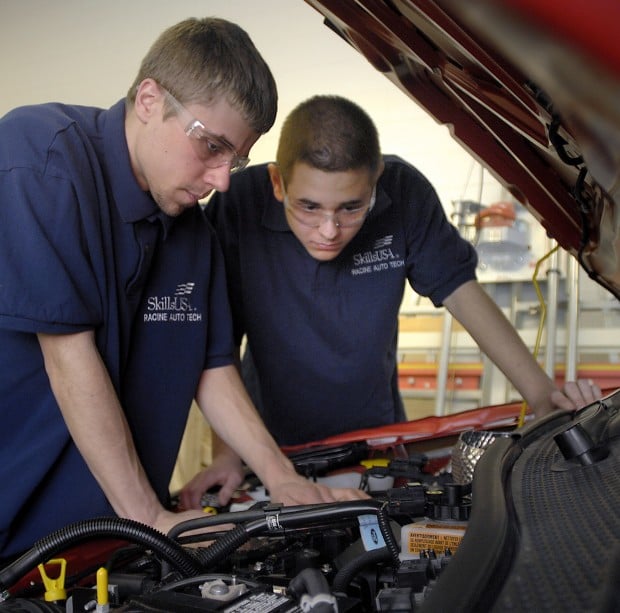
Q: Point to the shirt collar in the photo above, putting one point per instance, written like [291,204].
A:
[132,202]
[274,217]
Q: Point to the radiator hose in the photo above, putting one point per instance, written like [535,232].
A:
[105,527]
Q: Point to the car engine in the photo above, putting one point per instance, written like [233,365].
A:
[500,528]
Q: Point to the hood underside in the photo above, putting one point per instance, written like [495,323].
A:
[531,89]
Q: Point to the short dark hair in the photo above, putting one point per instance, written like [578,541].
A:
[330,133]
[204,60]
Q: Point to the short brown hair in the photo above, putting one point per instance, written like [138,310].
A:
[204,60]
[330,133]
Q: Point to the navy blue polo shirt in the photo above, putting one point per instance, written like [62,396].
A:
[323,335]
[82,247]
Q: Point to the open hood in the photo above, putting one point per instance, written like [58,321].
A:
[531,89]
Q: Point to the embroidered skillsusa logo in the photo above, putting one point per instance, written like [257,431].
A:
[386,241]
[177,307]
[379,258]
[184,289]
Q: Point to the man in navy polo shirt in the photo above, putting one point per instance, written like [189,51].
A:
[113,306]
[318,249]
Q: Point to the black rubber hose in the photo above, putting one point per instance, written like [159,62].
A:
[309,581]
[346,574]
[104,527]
[220,549]
[312,582]
[197,523]
[227,543]
[232,517]
[277,520]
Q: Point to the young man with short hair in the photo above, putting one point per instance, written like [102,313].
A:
[113,308]
[318,249]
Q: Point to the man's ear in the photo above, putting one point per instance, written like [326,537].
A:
[277,182]
[380,170]
[149,100]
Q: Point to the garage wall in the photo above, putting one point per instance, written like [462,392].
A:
[87,52]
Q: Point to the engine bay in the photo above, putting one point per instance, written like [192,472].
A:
[261,556]
[443,529]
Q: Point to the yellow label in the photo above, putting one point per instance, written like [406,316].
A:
[425,537]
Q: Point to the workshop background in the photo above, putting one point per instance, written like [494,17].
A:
[88,51]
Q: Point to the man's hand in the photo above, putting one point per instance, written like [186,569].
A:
[292,491]
[498,339]
[227,407]
[166,520]
[226,470]
[298,490]
[576,394]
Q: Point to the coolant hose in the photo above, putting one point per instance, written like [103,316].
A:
[309,581]
[311,588]
[346,574]
[276,520]
[225,545]
[104,527]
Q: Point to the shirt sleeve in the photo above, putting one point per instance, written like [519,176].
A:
[222,212]
[220,348]
[46,278]
[439,259]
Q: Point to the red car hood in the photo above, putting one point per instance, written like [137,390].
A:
[531,89]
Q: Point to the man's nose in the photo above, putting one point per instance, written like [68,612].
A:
[329,227]
[218,178]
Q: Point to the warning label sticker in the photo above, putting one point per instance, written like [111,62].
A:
[424,538]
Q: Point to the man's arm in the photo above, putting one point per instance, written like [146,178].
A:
[498,339]
[97,424]
[226,405]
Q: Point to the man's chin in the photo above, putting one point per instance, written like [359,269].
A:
[324,255]
[174,209]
